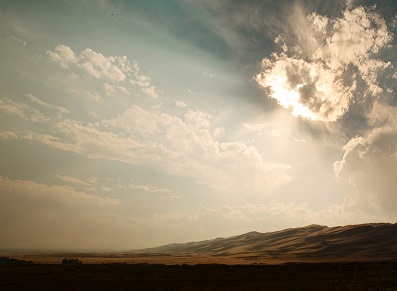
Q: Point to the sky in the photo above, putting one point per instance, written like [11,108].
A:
[133,124]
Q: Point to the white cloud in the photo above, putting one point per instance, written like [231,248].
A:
[321,63]
[357,35]
[100,66]
[113,69]
[63,55]
[308,88]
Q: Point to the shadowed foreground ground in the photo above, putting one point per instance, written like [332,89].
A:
[329,276]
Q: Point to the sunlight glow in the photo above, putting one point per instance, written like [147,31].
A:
[289,98]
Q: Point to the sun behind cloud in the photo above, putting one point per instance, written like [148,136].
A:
[318,70]
[288,97]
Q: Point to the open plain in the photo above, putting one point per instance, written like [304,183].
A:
[318,276]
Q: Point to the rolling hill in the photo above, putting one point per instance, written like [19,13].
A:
[364,242]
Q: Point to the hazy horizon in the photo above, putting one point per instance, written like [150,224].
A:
[135,124]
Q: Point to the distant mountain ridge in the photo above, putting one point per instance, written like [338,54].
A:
[372,241]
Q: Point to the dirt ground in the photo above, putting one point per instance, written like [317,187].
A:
[120,276]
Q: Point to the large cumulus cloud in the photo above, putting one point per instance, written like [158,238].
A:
[326,64]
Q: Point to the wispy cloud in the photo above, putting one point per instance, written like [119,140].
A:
[61,194]
[44,104]
[22,110]
[17,40]
[94,96]
[162,192]
[71,180]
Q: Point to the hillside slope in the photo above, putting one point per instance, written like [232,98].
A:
[375,241]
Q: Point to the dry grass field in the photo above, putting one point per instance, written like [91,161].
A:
[300,276]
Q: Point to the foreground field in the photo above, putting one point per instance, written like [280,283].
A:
[330,276]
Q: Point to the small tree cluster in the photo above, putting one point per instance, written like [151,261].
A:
[75,261]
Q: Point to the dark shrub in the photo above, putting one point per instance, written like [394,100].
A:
[75,261]
[11,261]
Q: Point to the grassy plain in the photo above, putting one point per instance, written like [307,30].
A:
[118,276]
